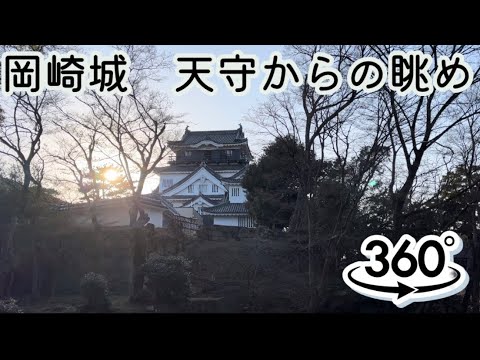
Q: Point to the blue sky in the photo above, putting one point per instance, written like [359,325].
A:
[209,112]
[212,112]
[221,111]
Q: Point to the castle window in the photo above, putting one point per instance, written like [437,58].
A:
[235,191]
[246,221]
[207,155]
[228,153]
[166,183]
[214,188]
[188,153]
[190,189]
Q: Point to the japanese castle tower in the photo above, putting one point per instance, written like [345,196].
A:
[203,178]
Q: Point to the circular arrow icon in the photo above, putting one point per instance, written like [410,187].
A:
[410,271]
[401,289]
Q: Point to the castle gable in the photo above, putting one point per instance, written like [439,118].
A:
[221,137]
[205,171]
[201,181]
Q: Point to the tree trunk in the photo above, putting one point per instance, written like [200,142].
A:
[138,256]
[93,215]
[400,198]
[25,195]
[133,211]
[7,257]
[324,276]
[298,220]
[35,269]
[466,298]
[476,263]
[476,277]
[472,291]
[310,265]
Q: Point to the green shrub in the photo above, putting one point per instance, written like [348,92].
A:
[9,306]
[168,278]
[94,288]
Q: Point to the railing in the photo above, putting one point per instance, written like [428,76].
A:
[247,222]
[214,158]
[211,161]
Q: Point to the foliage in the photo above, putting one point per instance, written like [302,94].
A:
[8,195]
[339,193]
[168,278]
[98,185]
[40,199]
[94,288]
[458,196]
[9,306]
[272,184]
[375,216]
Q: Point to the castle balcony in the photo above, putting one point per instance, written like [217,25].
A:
[209,157]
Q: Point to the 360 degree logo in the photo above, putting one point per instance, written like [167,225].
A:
[410,271]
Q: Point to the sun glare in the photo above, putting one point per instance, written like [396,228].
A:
[111,175]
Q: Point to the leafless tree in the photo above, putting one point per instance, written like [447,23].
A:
[76,152]
[20,139]
[40,48]
[310,117]
[420,122]
[360,147]
[463,145]
[134,126]
[21,131]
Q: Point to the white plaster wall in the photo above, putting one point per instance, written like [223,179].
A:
[156,216]
[175,177]
[116,216]
[197,180]
[185,211]
[80,218]
[241,198]
[206,191]
[108,216]
[225,220]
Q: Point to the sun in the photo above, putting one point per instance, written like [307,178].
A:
[111,175]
